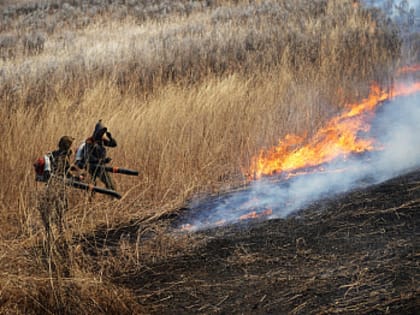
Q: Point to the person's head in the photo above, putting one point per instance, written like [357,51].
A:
[99,131]
[65,143]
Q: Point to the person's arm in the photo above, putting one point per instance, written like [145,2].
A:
[110,142]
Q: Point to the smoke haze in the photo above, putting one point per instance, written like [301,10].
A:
[395,127]
[406,13]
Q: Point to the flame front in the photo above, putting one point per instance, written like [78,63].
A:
[342,136]
[339,138]
[409,69]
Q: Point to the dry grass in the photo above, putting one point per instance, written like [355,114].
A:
[190,99]
[333,42]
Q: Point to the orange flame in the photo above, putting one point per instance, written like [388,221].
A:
[409,69]
[186,227]
[340,137]
[256,215]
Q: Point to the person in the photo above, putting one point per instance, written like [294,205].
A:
[53,170]
[92,154]
[55,163]
[61,156]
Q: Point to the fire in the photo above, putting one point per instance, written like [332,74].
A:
[256,215]
[339,138]
[342,136]
[186,227]
[408,69]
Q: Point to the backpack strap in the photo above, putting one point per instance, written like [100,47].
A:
[49,159]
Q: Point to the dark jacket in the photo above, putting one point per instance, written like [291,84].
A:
[60,162]
[57,162]
[93,151]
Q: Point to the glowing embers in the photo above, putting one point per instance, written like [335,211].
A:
[251,209]
[256,215]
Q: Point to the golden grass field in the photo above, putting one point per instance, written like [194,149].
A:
[190,96]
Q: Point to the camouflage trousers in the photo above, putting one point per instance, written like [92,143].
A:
[53,205]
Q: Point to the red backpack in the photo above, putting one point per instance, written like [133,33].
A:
[42,166]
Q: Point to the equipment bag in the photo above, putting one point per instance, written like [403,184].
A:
[42,166]
[81,156]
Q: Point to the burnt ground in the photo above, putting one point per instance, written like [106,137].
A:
[358,253]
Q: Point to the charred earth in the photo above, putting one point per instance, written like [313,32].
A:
[355,254]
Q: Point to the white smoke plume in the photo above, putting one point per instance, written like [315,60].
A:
[396,127]
[406,13]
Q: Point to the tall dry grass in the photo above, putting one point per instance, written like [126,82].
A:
[190,99]
[327,40]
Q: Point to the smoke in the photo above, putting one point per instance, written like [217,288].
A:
[396,127]
[406,13]
[391,6]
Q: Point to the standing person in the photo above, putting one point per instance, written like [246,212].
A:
[53,168]
[92,155]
